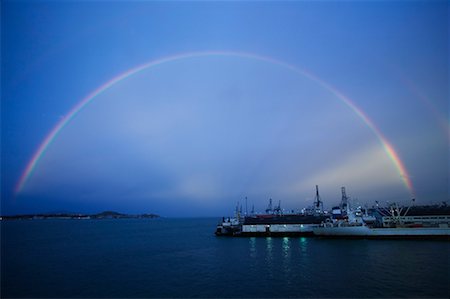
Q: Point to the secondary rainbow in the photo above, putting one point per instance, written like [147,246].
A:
[389,149]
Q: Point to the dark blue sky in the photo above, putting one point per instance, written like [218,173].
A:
[192,136]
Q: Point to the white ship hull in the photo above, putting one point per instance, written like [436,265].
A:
[277,229]
[367,232]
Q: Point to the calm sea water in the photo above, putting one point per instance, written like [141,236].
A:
[183,258]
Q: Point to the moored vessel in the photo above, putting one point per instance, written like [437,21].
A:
[274,222]
[392,222]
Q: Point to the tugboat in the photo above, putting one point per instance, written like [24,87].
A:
[275,222]
[230,226]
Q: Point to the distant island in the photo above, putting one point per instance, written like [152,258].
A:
[67,215]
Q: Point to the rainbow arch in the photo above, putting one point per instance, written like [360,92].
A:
[388,148]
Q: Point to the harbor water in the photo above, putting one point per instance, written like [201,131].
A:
[182,258]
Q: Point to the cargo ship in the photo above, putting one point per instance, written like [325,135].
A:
[274,222]
[347,220]
[391,222]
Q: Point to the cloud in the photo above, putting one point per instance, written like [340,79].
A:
[212,132]
[366,171]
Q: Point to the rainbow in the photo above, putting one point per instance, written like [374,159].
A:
[389,149]
[442,121]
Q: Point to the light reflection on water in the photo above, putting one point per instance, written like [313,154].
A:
[303,245]
[252,242]
[286,250]
[269,248]
[269,257]
[286,246]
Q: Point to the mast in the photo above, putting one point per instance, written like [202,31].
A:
[246,210]
[344,200]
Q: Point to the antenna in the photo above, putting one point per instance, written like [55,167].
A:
[246,210]
[344,200]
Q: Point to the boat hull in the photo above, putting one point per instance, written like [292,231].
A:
[277,230]
[382,233]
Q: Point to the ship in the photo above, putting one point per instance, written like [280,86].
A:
[274,222]
[390,222]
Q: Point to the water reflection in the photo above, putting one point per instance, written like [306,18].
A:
[286,247]
[303,244]
[269,248]
[252,242]
[269,257]
[269,245]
